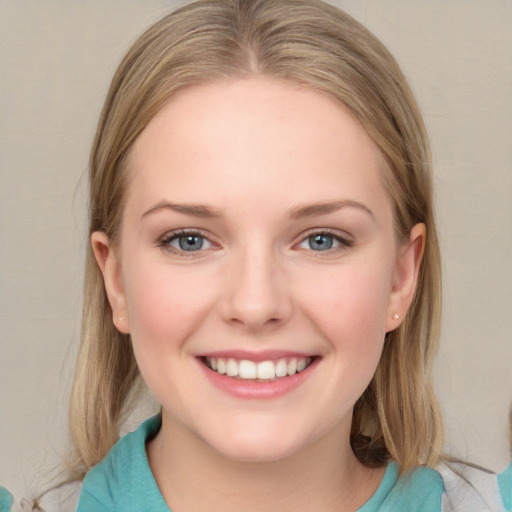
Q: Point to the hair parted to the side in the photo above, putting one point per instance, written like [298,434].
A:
[306,42]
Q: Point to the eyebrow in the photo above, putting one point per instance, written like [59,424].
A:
[312,210]
[296,213]
[194,210]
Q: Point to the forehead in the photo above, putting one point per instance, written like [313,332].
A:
[255,137]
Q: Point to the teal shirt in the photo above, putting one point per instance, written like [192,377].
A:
[419,492]
[6,500]
[505,485]
[123,482]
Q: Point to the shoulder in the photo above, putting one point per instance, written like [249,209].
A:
[471,489]
[123,479]
[447,488]
[421,490]
[505,485]
[6,500]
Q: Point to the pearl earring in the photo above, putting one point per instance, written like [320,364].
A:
[396,316]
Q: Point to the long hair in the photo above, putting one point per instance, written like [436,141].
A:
[300,41]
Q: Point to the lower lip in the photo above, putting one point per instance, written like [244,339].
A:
[241,388]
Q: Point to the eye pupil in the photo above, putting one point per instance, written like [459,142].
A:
[321,242]
[190,243]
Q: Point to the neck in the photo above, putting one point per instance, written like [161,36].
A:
[324,476]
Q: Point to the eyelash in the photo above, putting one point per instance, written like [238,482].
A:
[165,241]
[344,243]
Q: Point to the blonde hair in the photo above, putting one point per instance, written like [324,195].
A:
[306,42]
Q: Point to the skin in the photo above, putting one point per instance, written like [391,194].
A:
[255,154]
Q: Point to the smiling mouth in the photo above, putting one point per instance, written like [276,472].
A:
[262,371]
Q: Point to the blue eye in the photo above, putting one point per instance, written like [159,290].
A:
[321,242]
[186,242]
[190,242]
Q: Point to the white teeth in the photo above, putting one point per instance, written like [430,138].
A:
[221,366]
[231,368]
[292,366]
[281,368]
[301,364]
[264,370]
[247,369]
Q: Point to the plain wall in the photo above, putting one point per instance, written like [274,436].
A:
[56,60]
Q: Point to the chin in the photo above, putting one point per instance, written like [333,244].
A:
[264,447]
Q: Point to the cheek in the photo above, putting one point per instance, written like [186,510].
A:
[165,307]
[349,304]
[164,304]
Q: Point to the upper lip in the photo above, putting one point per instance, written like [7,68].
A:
[257,356]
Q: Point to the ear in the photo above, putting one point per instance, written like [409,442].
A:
[406,277]
[110,267]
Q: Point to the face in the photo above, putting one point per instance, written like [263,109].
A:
[257,269]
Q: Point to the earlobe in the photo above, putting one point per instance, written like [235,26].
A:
[110,266]
[406,276]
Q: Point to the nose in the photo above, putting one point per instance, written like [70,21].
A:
[256,296]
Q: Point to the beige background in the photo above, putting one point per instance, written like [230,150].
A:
[56,59]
